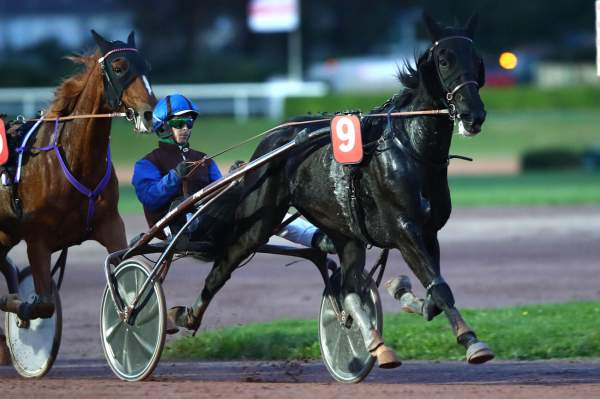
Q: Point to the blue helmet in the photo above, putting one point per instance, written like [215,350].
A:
[168,107]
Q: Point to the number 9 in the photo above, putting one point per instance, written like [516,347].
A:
[344,130]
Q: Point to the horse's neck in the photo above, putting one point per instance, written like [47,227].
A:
[430,137]
[85,141]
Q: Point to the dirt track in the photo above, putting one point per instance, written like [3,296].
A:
[92,379]
[490,257]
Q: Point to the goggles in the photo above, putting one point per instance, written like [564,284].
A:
[179,123]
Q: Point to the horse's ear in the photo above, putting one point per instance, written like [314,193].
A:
[471,25]
[102,43]
[435,30]
[131,40]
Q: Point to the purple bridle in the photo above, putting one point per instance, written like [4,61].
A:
[92,195]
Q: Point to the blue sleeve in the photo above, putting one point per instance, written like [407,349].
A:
[153,190]
[213,171]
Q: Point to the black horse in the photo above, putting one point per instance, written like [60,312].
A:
[397,197]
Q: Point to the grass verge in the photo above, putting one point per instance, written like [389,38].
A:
[523,332]
[528,189]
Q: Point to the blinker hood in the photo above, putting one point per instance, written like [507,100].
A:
[116,82]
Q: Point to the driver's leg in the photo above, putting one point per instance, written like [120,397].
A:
[304,233]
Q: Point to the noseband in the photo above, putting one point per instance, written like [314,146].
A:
[450,92]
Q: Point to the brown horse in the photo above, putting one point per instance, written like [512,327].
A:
[53,213]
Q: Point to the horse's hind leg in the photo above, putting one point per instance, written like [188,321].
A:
[422,254]
[254,235]
[352,258]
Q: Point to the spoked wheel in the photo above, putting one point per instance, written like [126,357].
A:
[342,345]
[33,344]
[133,347]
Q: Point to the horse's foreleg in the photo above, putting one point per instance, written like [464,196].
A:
[352,258]
[422,254]
[110,233]
[43,304]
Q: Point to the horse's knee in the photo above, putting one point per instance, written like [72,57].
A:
[439,297]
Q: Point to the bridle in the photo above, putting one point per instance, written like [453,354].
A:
[449,92]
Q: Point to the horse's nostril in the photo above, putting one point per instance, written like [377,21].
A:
[148,116]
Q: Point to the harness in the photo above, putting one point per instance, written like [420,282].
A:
[114,85]
[91,194]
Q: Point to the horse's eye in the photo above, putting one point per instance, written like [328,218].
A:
[120,66]
[443,63]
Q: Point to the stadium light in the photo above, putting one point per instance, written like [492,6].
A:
[508,60]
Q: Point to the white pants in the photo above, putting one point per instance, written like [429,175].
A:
[299,231]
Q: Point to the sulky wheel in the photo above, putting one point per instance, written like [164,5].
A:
[33,344]
[133,347]
[342,346]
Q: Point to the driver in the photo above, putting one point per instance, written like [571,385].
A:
[158,176]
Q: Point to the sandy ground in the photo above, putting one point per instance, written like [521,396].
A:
[490,257]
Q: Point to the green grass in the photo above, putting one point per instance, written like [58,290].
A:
[523,332]
[558,188]
[528,189]
[514,133]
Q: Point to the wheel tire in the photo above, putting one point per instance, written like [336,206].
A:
[343,349]
[33,349]
[132,349]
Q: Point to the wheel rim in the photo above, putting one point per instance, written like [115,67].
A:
[33,349]
[343,349]
[133,349]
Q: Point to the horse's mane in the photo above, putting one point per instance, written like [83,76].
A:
[67,94]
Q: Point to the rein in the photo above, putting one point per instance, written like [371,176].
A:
[434,112]
[129,115]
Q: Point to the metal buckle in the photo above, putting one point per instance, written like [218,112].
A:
[451,111]
[130,114]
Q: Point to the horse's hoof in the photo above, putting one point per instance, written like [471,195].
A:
[181,316]
[4,353]
[38,310]
[479,353]
[171,328]
[386,357]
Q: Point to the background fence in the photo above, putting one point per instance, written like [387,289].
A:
[238,99]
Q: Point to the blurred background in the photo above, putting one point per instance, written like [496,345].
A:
[250,64]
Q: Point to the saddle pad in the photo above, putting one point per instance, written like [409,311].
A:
[3,144]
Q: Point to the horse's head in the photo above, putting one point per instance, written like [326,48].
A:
[456,73]
[126,84]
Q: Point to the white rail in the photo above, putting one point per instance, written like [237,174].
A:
[241,93]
